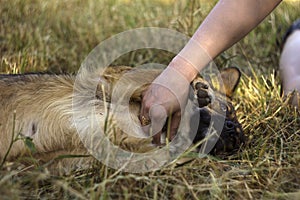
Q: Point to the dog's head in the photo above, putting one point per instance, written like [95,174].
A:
[218,110]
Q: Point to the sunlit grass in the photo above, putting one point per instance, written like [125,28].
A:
[38,35]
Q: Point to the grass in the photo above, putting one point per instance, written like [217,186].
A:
[56,36]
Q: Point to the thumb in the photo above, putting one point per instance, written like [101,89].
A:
[158,116]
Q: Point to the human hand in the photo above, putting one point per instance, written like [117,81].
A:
[165,97]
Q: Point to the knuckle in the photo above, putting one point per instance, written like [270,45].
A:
[177,114]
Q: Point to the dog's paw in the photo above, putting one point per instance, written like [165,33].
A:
[202,93]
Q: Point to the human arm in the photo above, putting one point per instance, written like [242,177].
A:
[227,23]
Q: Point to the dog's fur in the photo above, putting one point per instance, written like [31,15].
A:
[39,106]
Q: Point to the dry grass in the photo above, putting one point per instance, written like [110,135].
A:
[37,35]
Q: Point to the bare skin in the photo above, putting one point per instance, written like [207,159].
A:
[227,23]
[290,66]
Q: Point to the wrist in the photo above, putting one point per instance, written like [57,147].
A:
[183,67]
[191,60]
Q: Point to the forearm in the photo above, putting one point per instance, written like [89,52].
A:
[227,23]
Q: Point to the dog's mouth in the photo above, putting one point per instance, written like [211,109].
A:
[211,123]
[228,141]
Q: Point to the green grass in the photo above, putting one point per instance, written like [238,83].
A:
[55,36]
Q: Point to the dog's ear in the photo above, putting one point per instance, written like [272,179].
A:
[231,78]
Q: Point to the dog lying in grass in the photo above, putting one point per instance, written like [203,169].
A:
[36,114]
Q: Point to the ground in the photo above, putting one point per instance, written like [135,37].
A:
[56,36]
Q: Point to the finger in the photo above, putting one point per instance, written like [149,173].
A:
[144,110]
[156,139]
[144,113]
[158,116]
[175,121]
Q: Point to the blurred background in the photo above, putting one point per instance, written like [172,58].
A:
[56,35]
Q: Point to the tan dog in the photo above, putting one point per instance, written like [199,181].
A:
[39,106]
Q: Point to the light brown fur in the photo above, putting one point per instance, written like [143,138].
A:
[39,106]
